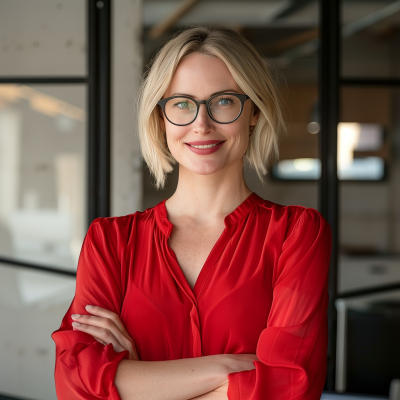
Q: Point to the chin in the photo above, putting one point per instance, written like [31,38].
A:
[204,169]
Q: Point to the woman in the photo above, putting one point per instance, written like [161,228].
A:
[214,293]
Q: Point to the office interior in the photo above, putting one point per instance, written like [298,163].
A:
[69,77]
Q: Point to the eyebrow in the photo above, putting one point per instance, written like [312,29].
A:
[212,94]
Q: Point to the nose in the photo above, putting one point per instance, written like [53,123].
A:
[202,123]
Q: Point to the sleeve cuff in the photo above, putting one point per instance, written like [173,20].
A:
[99,382]
[241,385]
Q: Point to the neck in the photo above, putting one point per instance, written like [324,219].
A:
[205,197]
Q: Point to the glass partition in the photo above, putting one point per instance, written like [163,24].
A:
[370,211]
[31,307]
[371,38]
[43,173]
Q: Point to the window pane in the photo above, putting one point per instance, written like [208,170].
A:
[32,305]
[370,212]
[371,38]
[42,173]
[297,169]
[42,37]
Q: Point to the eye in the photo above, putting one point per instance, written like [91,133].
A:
[225,101]
[182,104]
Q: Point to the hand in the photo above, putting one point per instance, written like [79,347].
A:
[240,362]
[233,363]
[106,327]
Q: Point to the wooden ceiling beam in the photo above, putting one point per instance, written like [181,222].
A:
[290,42]
[167,23]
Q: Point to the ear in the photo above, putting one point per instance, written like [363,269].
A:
[255,115]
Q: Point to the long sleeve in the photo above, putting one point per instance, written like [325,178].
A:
[85,368]
[292,349]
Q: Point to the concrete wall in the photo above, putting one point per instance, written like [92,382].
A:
[126,166]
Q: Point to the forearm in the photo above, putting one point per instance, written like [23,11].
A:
[181,379]
[171,380]
[220,393]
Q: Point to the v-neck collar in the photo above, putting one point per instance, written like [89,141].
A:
[237,214]
[166,227]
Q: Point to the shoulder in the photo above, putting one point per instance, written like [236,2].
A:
[119,228]
[124,221]
[113,235]
[292,218]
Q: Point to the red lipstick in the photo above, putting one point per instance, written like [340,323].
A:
[209,150]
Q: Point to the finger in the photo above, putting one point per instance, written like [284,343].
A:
[104,313]
[102,334]
[100,341]
[106,323]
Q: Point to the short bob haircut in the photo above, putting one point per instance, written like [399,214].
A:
[249,71]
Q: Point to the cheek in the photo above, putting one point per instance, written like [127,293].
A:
[239,134]
[175,136]
[174,133]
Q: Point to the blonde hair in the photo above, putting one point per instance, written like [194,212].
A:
[249,71]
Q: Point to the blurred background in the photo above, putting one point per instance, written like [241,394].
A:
[69,76]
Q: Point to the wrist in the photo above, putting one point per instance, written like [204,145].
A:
[239,362]
[228,365]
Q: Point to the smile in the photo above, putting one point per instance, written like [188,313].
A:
[205,149]
[206,146]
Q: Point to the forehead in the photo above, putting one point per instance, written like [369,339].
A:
[200,75]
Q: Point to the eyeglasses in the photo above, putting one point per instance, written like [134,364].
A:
[222,108]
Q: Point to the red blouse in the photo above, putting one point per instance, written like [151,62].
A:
[263,289]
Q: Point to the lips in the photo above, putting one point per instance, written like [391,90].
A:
[204,142]
[205,147]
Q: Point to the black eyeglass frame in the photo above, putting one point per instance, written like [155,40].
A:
[241,97]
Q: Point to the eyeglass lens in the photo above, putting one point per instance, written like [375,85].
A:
[223,108]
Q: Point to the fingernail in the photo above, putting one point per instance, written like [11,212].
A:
[75,316]
[76,324]
[88,307]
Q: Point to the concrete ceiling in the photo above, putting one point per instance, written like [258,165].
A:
[252,13]
[256,13]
